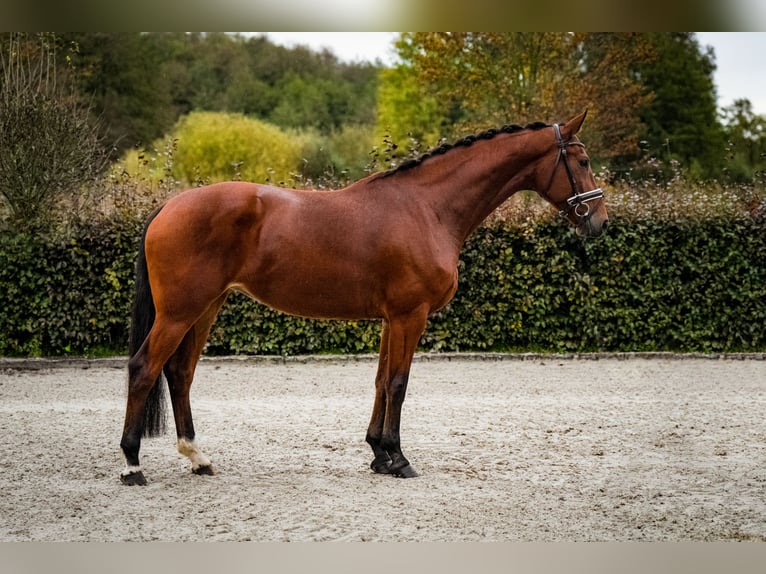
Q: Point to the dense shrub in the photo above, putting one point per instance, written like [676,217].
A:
[646,286]
[207,147]
[69,292]
[664,278]
[218,147]
[335,159]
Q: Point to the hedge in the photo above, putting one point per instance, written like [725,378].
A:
[649,284]
[68,293]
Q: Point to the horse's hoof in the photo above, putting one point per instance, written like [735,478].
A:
[204,470]
[405,472]
[133,478]
[381,465]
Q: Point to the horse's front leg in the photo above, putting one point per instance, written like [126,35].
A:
[382,461]
[401,340]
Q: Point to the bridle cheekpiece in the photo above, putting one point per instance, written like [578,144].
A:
[577,201]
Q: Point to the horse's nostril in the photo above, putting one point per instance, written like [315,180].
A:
[604,226]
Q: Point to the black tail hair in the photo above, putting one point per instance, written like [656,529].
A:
[141,323]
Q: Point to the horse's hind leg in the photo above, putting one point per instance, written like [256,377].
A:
[144,370]
[179,371]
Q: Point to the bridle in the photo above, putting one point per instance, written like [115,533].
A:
[578,201]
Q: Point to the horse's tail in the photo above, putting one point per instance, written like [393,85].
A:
[141,323]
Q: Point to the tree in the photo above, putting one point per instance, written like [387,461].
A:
[406,110]
[49,147]
[745,133]
[124,74]
[478,79]
[601,78]
[484,77]
[681,120]
[141,83]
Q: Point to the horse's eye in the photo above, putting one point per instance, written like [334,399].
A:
[583,163]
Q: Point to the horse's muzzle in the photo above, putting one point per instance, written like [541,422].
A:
[590,228]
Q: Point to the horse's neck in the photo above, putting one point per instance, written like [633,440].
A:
[464,186]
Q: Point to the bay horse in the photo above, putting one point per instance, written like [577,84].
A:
[385,247]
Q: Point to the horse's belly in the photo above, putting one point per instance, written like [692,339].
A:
[315,296]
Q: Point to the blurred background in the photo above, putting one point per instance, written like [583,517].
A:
[99,128]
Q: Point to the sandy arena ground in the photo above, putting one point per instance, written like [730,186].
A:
[543,449]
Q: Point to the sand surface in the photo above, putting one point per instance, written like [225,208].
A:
[547,449]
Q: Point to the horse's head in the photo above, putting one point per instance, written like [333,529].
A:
[568,184]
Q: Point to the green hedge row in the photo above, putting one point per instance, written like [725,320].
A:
[67,293]
[648,285]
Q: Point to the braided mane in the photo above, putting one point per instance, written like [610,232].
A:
[463,142]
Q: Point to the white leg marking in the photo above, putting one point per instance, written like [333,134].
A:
[189,448]
[130,470]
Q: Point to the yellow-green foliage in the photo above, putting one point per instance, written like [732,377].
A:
[218,147]
[337,158]
[350,148]
[205,147]
[153,165]
[406,110]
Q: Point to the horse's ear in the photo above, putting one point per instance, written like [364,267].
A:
[573,126]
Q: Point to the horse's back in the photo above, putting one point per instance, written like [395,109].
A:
[278,245]
[343,254]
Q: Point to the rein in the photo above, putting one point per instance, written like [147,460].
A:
[578,200]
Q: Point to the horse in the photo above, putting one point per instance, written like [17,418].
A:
[386,247]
